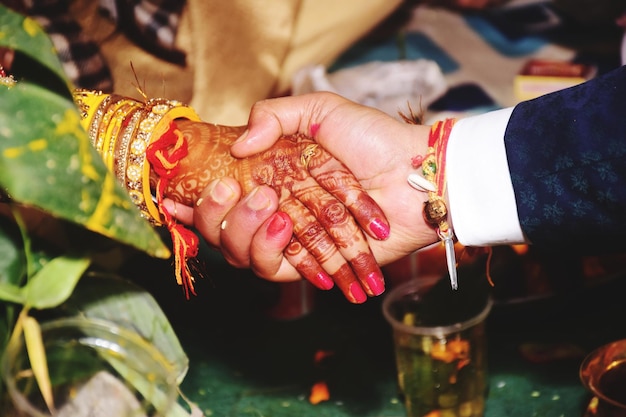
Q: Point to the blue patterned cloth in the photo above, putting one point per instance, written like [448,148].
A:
[567,156]
[481,52]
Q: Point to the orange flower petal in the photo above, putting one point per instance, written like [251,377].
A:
[440,352]
[319,393]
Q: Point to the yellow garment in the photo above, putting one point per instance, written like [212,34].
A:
[238,51]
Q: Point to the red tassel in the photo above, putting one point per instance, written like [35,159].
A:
[164,155]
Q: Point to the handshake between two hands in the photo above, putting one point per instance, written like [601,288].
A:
[315,186]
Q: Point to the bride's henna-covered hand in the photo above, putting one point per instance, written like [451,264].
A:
[326,204]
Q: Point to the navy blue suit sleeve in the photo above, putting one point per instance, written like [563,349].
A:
[567,156]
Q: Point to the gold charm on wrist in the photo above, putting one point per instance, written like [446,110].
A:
[435,212]
[433,182]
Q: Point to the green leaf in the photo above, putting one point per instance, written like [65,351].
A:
[11,293]
[47,161]
[142,383]
[23,34]
[54,283]
[5,312]
[37,357]
[160,400]
[111,298]
[12,261]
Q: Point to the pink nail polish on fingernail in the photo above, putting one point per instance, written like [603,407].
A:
[357,293]
[324,281]
[314,128]
[376,283]
[380,229]
[277,224]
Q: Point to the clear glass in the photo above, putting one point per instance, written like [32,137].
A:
[96,369]
[603,373]
[441,358]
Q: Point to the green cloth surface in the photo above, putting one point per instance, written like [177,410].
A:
[244,363]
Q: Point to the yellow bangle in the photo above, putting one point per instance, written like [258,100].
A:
[121,146]
[118,115]
[151,128]
[121,129]
[91,105]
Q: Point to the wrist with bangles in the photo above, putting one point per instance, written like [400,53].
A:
[137,139]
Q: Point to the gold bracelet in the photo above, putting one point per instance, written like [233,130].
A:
[91,105]
[121,145]
[122,111]
[121,129]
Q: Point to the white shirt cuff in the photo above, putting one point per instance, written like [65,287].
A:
[480,192]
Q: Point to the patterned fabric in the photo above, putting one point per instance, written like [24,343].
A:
[567,156]
[80,56]
[151,24]
[480,53]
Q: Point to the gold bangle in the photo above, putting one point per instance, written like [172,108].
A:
[122,110]
[161,113]
[108,106]
[121,145]
[121,129]
[91,105]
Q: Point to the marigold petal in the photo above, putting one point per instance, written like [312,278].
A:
[319,393]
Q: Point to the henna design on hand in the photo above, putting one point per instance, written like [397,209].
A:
[328,207]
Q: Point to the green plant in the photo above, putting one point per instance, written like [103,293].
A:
[61,211]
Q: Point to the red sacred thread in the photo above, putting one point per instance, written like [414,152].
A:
[438,141]
[434,162]
[164,156]
[434,169]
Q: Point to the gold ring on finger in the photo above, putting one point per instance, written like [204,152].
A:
[308,153]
